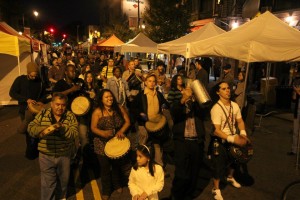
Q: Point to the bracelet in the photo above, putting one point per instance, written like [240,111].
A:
[243,132]
[230,138]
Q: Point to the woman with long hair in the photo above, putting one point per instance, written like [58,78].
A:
[177,86]
[146,177]
[110,120]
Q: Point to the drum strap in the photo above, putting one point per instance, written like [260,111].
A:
[227,118]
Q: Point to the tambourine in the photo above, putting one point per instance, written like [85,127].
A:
[50,129]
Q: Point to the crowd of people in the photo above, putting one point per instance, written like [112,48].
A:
[92,100]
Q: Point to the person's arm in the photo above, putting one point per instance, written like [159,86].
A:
[58,85]
[126,125]
[69,126]
[134,189]
[159,181]
[15,90]
[35,127]
[95,118]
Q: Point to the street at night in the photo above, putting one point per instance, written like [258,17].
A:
[271,168]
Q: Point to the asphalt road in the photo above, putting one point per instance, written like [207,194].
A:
[270,168]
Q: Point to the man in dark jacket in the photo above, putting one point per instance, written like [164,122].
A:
[188,137]
[149,104]
[28,90]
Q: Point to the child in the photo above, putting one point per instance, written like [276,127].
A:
[146,178]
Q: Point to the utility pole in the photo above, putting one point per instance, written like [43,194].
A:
[77,34]
[138,26]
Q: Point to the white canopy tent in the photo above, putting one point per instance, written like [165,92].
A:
[265,38]
[180,46]
[140,44]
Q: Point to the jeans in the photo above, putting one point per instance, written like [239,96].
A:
[55,172]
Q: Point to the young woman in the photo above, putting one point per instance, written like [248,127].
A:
[146,178]
[110,120]
[177,86]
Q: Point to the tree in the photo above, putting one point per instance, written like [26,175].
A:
[120,28]
[166,20]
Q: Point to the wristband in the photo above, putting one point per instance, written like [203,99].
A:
[230,138]
[243,132]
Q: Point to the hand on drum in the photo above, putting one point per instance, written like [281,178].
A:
[120,135]
[31,101]
[50,129]
[240,140]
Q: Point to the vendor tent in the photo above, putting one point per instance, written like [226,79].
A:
[141,43]
[265,38]
[110,43]
[180,46]
[14,55]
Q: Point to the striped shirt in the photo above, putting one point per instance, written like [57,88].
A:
[174,95]
[108,73]
[58,143]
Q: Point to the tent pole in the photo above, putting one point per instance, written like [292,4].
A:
[246,81]
[19,65]
[267,81]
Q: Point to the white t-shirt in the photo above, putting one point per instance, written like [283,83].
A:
[218,117]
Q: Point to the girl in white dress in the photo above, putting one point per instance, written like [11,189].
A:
[146,178]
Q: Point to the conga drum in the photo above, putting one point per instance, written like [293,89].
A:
[157,127]
[133,81]
[200,93]
[80,105]
[36,108]
[116,148]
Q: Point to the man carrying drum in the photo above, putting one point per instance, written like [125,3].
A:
[224,115]
[149,105]
[28,90]
[57,130]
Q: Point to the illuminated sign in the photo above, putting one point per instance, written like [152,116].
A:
[130,7]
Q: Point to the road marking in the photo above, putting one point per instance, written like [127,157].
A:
[95,187]
[79,191]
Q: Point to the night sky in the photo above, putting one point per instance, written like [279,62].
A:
[63,12]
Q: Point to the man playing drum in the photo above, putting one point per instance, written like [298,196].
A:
[224,115]
[57,130]
[28,90]
[149,105]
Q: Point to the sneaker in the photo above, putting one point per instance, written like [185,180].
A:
[217,194]
[233,182]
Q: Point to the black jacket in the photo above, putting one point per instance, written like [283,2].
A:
[23,89]
[140,105]
[179,115]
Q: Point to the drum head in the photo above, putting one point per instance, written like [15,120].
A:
[80,105]
[157,124]
[116,148]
